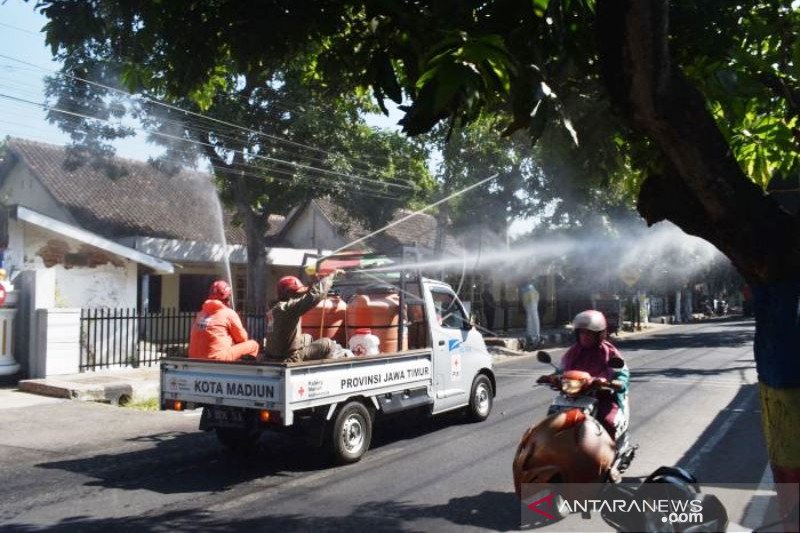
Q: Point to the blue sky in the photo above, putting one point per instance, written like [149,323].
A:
[21,40]
[24,61]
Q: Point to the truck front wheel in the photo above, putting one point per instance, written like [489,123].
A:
[352,433]
[480,400]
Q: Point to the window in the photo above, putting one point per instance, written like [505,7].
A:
[193,291]
[240,291]
[449,312]
[153,296]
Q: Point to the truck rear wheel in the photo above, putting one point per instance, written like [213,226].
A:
[238,440]
[480,399]
[352,433]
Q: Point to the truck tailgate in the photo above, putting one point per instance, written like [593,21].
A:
[231,384]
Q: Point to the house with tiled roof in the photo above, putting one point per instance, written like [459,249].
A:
[321,223]
[164,234]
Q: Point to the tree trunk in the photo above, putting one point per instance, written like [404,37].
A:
[704,191]
[255,229]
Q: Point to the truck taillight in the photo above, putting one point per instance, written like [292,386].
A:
[175,405]
[269,417]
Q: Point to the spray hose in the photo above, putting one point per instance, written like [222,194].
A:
[322,321]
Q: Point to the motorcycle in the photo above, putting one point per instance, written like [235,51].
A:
[571,449]
[570,445]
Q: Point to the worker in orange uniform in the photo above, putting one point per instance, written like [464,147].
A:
[217,331]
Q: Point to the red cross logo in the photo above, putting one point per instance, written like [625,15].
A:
[301,390]
[360,350]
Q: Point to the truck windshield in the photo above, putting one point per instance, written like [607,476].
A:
[449,312]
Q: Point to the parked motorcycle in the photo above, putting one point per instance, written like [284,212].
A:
[570,445]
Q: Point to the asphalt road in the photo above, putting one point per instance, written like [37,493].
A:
[80,466]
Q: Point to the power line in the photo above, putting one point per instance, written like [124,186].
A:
[239,168]
[240,172]
[415,213]
[18,28]
[183,124]
[278,160]
[329,174]
[172,107]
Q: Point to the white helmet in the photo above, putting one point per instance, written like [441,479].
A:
[591,320]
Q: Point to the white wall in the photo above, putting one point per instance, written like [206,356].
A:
[15,253]
[311,229]
[111,284]
[103,286]
[21,187]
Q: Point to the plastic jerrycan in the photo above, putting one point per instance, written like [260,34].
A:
[364,343]
[377,307]
[326,319]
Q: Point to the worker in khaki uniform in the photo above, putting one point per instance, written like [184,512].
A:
[285,337]
[217,332]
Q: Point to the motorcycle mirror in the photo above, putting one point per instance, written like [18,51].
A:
[543,357]
[616,362]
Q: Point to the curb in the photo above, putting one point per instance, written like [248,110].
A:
[549,340]
[109,390]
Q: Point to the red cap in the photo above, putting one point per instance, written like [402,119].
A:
[289,285]
[363,331]
[220,290]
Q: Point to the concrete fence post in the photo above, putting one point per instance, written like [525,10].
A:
[56,342]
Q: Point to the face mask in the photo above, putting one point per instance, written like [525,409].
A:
[587,339]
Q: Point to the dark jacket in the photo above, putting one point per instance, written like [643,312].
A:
[284,330]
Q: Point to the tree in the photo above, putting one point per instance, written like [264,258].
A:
[698,103]
[468,154]
[272,136]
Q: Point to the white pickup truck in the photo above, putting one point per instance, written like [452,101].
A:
[336,401]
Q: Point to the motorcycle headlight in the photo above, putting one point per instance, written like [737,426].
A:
[571,386]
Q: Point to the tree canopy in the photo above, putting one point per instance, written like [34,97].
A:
[717,75]
[690,107]
[273,134]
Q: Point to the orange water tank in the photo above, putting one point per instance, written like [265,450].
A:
[377,309]
[327,320]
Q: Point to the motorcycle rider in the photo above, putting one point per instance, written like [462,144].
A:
[592,353]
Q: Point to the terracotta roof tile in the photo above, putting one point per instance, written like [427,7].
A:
[419,230]
[143,201]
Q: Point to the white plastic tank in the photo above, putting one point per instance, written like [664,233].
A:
[364,343]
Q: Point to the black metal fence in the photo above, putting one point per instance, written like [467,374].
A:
[127,337]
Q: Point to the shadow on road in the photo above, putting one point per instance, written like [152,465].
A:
[181,462]
[189,463]
[733,338]
[644,375]
[490,510]
[732,448]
